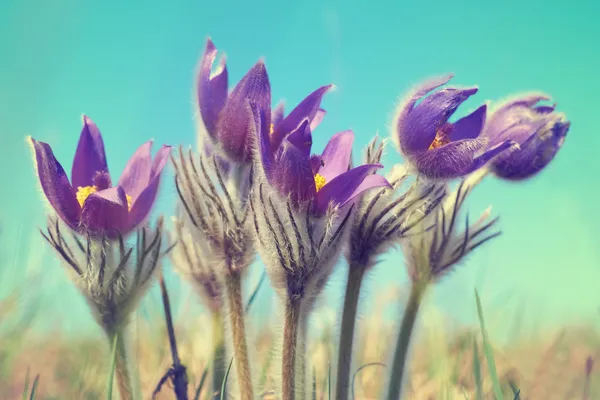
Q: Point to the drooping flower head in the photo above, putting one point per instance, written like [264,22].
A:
[539,130]
[90,203]
[302,177]
[227,117]
[439,149]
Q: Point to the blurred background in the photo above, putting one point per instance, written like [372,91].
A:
[131,66]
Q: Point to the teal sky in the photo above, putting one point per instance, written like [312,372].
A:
[130,67]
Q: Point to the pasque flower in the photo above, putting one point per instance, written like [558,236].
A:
[323,179]
[439,149]
[227,117]
[539,130]
[90,203]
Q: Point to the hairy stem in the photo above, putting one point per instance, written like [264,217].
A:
[355,278]
[218,331]
[302,354]
[122,367]
[403,342]
[290,337]
[233,286]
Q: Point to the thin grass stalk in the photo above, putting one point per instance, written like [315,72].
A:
[219,367]
[417,292]
[233,287]
[355,278]
[290,338]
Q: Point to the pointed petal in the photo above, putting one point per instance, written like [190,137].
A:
[136,175]
[342,188]
[55,184]
[293,175]
[306,109]
[211,88]
[370,182]
[302,139]
[90,158]
[160,160]
[420,126]
[337,155]
[262,130]
[278,113]
[469,127]
[105,212]
[316,121]
[143,205]
[449,161]
[236,119]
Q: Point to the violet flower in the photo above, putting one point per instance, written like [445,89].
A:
[90,203]
[321,179]
[538,129]
[437,148]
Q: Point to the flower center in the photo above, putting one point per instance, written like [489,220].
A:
[319,181]
[442,137]
[83,192]
[271,129]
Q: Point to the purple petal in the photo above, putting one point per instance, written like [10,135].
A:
[469,127]
[212,89]
[315,163]
[419,128]
[278,114]
[90,158]
[55,184]
[236,120]
[316,121]
[534,155]
[142,206]
[302,139]
[370,182]
[450,161]
[293,175]
[490,154]
[307,109]
[343,187]
[160,160]
[136,175]
[262,129]
[337,154]
[105,212]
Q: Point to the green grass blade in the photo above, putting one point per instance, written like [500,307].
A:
[477,372]
[487,349]
[34,387]
[111,371]
[314,384]
[226,376]
[26,387]
[201,384]
[255,291]
[360,369]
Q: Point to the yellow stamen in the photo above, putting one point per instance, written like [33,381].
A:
[319,181]
[271,128]
[442,137]
[83,192]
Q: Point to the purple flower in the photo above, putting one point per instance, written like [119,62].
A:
[437,148]
[228,118]
[322,179]
[90,203]
[538,129]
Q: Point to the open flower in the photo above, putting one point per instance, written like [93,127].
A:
[437,148]
[90,203]
[322,179]
[538,129]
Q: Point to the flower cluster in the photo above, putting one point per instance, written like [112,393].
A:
[256,185]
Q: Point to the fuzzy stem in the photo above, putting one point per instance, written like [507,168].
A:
[233,286]
[403,342]
[218,331]
[355,278]
[290,337]
[122,368]
[301,356]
